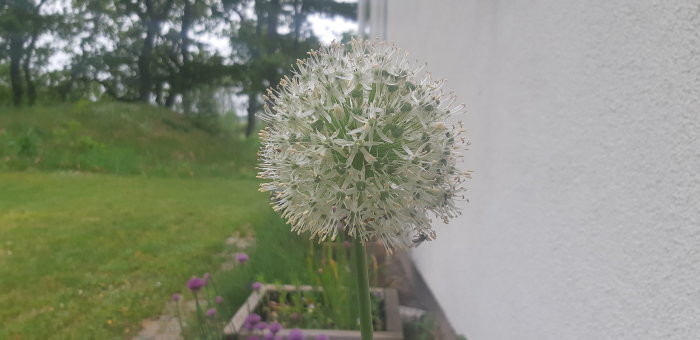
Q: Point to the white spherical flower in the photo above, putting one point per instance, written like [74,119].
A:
[357,142]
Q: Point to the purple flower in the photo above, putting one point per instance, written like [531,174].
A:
[322,337]
[256,286]
[242,257]
[195,284]
[219,300]
[253,319]
[249,326]
[175,297]
[274,327]
[295,334]
[261,326]
[206,278]
[270,336]
[211,312]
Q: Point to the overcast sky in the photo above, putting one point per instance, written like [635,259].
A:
[327,29]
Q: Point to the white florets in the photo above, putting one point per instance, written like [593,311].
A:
[358,143]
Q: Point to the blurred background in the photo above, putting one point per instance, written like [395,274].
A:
[197,57]
[128,153]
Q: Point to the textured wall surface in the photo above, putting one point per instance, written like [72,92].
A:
[584,221]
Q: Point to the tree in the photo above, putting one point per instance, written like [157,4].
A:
[21,23]
[267,53]
[155,58]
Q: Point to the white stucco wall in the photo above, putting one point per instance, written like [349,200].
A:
[584,116]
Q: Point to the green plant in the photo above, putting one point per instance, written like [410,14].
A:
[332,304]
[124,139]
[423,329]
[358,138]
[27,143]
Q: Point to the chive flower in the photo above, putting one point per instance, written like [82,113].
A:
[274,327]
[175,297]
[242,257]
[211,311]
[295,334]
[359,140]
[219,300]
[256,286]
[195,284]
[251,320]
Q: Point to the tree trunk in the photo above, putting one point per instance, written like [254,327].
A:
[159,93]
[15,74]
[170,99]
[252,109]
[273,19]
[26,66]
[145,61]
[297,20]
[185,81]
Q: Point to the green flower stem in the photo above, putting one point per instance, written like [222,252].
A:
[363,290]
[200,319]
[179,318]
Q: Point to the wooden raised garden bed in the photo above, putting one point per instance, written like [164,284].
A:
[390,307]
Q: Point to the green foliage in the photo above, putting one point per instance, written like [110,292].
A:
[423,329]
[156,51]
[283,259]
[26,143]
[123,139]
[88,256]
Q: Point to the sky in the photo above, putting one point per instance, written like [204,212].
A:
[327,29]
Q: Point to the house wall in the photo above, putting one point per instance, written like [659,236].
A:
[584,213]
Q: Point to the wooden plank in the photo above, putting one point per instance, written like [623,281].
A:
[391,302]
[391,306]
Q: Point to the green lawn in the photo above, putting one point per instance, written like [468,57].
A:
[89,256]
[118,138]
[107,209]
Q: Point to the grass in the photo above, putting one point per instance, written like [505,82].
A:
[120,138]
[107,209]
[90,256]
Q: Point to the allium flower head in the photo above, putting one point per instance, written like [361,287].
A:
[359,138]
[295,334]
[256,286]
[241,257]
[219,300]
[196,283]
[211,311]
[253,319]
[175,297]
[274,327]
